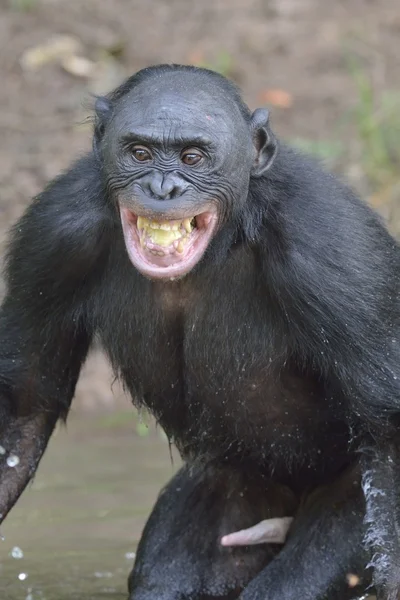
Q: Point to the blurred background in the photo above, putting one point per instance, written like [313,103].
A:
[330,73]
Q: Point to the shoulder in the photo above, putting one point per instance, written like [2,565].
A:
[63,232]
[324,251]
[318,215]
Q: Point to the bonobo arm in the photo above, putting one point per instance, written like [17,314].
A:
[39,367]
[381,483]
[365,371]
[45,332]
[339,289]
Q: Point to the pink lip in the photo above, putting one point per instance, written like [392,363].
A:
[172,265]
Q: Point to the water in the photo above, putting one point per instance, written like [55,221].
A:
[78,525]
[73,534]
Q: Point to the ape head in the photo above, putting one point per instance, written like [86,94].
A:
[178,148]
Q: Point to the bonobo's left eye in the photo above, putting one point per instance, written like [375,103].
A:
[191,156]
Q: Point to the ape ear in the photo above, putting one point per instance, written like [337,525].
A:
[264,141]
[103,111]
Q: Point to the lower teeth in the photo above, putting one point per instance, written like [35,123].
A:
[150,236]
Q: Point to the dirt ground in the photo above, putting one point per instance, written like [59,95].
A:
[288,53]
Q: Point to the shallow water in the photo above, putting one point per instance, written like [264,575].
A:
[79,523]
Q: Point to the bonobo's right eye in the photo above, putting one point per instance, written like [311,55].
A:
[141,154]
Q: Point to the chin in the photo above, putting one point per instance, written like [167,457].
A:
[167,249]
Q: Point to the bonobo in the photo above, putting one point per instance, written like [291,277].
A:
[251,302]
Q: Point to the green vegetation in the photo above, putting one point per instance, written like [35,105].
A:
[22,5]
[139,420]
[223,64]
[377,120]
[327,151]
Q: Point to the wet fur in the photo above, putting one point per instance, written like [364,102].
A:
[277,356]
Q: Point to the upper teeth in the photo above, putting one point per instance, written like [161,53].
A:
[143,223]
[164,233]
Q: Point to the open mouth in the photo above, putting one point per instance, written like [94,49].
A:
[163,249]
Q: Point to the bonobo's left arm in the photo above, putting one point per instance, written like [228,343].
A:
[337,280]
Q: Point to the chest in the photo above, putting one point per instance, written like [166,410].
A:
[214,335]
[212,361]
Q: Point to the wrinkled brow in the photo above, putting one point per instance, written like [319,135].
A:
[184,139]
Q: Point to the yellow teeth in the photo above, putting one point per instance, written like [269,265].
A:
[144,223]
[187,225]
[167,227]
[164,233]
[164,238]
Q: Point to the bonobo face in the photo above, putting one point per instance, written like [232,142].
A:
[178,158]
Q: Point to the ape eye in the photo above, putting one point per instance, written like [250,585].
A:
[191,157]
[141,153]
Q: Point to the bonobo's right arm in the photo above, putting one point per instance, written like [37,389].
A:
[54,258]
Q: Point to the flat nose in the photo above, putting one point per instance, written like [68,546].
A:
[164,187]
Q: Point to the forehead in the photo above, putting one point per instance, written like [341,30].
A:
[178,103]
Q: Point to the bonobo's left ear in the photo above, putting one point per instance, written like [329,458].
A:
[264,141]
[103,111]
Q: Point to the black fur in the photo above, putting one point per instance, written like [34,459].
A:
[276,358]
[179,555]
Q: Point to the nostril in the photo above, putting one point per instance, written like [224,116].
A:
[165,190]
[159,186]
[175,193]
[160,190]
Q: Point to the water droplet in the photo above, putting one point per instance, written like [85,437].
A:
[106,574]
[130,555]
[2,450]
[13,460]
[17,553]
[22,576]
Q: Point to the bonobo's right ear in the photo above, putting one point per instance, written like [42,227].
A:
[103,111]
[264,141]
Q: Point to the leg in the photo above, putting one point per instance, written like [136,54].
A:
[180,554]
[324,555]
